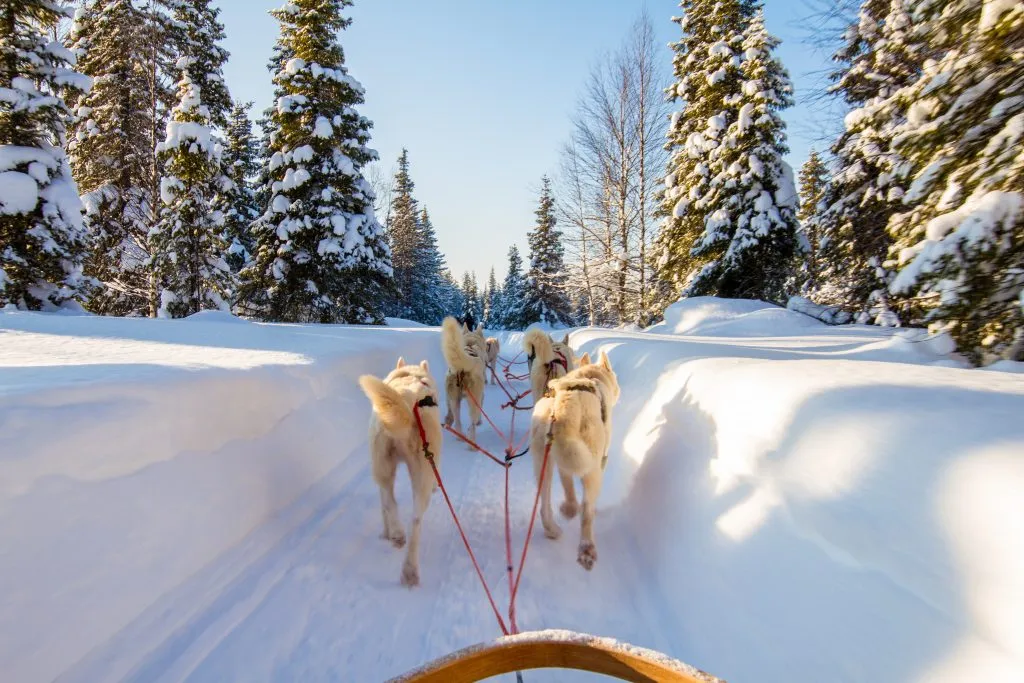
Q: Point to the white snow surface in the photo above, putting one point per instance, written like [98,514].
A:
[190,500]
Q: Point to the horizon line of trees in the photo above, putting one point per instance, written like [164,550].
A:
[131,182]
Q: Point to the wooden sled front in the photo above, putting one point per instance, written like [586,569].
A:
[556,650]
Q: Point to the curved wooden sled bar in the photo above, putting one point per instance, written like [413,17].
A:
[556,650]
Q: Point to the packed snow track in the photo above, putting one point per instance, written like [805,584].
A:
[191,501]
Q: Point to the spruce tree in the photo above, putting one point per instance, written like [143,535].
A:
[492,296]
[471,309]
[404,239]
[451,295]
[880,55]
[189,243]
[241,208]
[263,184]
[510,311]
[813,183]
[580,307]
[959,239]
[321,256]
[125,49]
[42,238]
[427,298]
[730,198]
[110,148]
[545,298]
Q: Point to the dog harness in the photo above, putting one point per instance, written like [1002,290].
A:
[604,408]
[591,390]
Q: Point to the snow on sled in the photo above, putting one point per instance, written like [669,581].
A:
[556,650]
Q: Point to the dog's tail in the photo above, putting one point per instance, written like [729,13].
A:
[493,348]
[570,407]
[537,345]
[392,410]
[454,348]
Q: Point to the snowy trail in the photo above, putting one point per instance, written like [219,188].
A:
[291,610]
[783,501]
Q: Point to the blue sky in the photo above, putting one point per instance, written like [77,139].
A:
[482,93]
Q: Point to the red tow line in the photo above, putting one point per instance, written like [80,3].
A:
[511,453]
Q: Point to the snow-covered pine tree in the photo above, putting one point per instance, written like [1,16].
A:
[451,294]
[512,303]
[478,309]
[188,244]
[117,125]
[42,238]
[730,198]
[880,55]
[109,148]
[262,184]
[471,308]
[545,297]
[706,65]
[403,238]
[580,307]
[492,296]
[813,182]
[959,244]
[428,298]
[239,160]
[321,255]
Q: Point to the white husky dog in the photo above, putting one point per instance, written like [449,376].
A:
[578,415]
[394,438]
[493,348]
[465,353]
[547,360]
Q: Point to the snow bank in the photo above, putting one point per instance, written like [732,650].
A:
[178,501]
[134,452]
[711,316]
[402,322]
[810,516]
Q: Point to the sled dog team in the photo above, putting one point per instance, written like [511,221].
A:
[573,398]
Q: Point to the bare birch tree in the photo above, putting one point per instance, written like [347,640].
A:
[610,170]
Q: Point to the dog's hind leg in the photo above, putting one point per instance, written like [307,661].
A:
[421,499]
[474,412]
[454,401]
[547,516]
[591,490]
[384,475]
[569,506]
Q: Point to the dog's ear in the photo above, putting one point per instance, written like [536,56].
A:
[423,364]
[464,328]
[401,363]
[480,329]
[605,363]
[584,359]
[565,339]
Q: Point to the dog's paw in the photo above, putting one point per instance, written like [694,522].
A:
[587,555]
[397,539]
[569,508]
[410,576]
[553,531]
[448,420]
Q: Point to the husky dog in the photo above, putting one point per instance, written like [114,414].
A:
[578,414]
[394,438]
[464,351]
[493,348]
[547,360]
